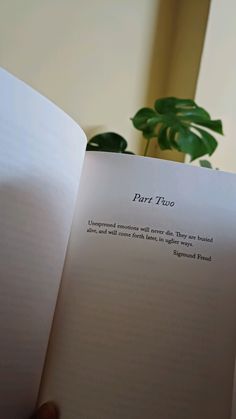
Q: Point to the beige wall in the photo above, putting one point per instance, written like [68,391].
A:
[102,60]
[216,89]
[90,57]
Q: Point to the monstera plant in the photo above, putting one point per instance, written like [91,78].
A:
[178,124]
[108,141]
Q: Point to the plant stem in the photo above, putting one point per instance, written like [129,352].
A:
[146,148]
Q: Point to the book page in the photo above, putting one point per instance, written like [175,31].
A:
[146,321]
[41,155]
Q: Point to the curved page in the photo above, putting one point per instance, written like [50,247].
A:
[41,155]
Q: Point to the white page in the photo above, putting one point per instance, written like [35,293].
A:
[141,332]
[41,155]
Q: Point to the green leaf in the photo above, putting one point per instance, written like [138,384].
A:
[198,112]
[163,139]
[177,124]
[205,163]
[108,141]
[192,144]
[209,141]
[155,120]
[165,105]
[214,125]
[185,103]
[172,133]
[142,116]
[149,133]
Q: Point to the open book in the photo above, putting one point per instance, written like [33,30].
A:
[117,275]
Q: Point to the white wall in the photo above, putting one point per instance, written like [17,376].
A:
[91,57]
[216,89]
